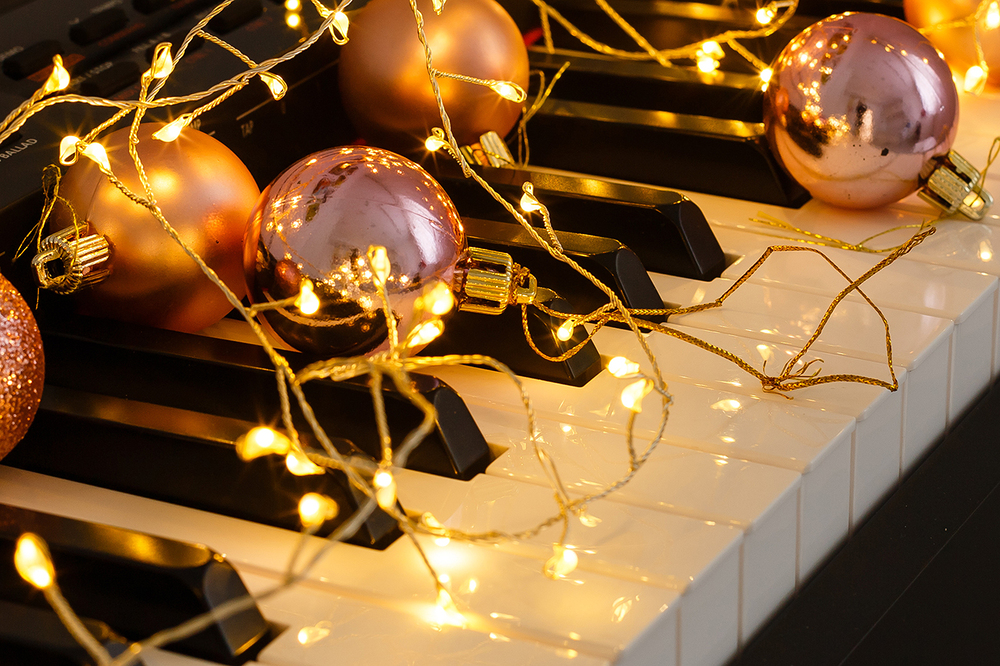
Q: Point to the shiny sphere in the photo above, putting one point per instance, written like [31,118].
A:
[384,83]
[317,220]
[205,193]
[22,367]
[958,44]
[857,106]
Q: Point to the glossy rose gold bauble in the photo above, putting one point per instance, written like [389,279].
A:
[857,106]
[957,44]
[205,193]
[383,77]
[317,220]
[22,367]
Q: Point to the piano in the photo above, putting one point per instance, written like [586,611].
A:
[750,514]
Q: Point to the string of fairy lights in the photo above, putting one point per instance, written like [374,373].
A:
[375,478]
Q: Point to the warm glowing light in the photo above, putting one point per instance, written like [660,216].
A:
[562,562]
[58,77]
[315,509]
[712,49]
[307,302]
[275,84]
[298,463]
[425,333]
[707,63]
[588,520]
[633,394]
[620,366]
[438,6]
[340,26]
[529,204]
[67,150]
[439,300]
[312,634]
[509,91]
[766,74]
[163,62]
[172,130]
[262,441]
[385,489]
[378,258]
[32,561]
[993,16]
[433,143]
[96,152]
[765,15]
[293,5]
[293,20]
[565,330]
[975,79]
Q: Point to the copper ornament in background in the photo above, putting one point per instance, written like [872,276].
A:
[22,367]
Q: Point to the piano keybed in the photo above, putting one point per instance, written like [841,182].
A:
[741,503]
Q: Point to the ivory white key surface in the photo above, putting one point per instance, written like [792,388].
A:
[921,343]
[877,443]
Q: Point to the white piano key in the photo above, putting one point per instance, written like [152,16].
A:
[699,559]
[920,343]
[587,612]
[877,443]
[760,499]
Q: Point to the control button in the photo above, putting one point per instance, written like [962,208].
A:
[104,84]
[10,141]
[235,15]
[176,40]
[150,6]
[98,26]
[31,59]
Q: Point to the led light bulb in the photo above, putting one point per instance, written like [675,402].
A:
[425,333]
[509,91]
[706,63]
[315,509]
[633,394]
[766,14]
[434,143]
[438,6]
[713,49]
[340,26]
[562,562]
[293,20]
[975,79]
[172,130]
[293,5]
[307,302]
[993,16]
[529,204]
[378,258]
[67,150]
[565,330]
[262,441]
[275,84]
[96,152]
[163,62]
[58,77]
[298,463]
[766,74]
[385,489]
[33,562]
[439,300]
[620,366]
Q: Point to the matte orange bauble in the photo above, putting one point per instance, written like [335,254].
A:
[384,82]
[957,44]
[22,367]
[205,193]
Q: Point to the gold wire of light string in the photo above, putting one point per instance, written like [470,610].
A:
[662,56]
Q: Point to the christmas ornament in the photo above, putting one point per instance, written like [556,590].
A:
[958,43]
[126,266]
[314,225]
[383,76]
[22,367]
[862,111]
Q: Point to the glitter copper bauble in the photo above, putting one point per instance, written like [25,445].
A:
[205,193]
[958,43]
[383,76]
[22,367]
[317,220]
[857,106]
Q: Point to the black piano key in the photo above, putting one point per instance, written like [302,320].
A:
[31,59]
[111,80]
[182,457]
[666,230]
[236,380]
[136,583]
[607,259]
[235,15]
[31,636]
[98,26]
